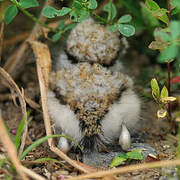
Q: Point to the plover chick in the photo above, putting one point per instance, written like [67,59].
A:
[93,105]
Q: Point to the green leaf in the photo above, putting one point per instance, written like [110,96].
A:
[164,19]
[135,154]
[56,36]
[175,11]
[152,5]
[155,89]
[164,92]
[10,14]
[118,160]
[61,25]
[113,28]
[79,15]
[20,130]
[92,4]
[77,5]
[28,3]
[161,14]
[175,29]
[107,8]
[63,11]
[49,12]
[162,35]
[168,54]
[148,18]
[126,29]
[175,3]
[84,14]
[125,19]
[70,26]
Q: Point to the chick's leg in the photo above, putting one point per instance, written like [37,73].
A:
[124,138]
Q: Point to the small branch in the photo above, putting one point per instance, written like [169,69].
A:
[11,149]
[127,169]
[32,174]
[1,38]
[13,86]
[16,39]
[169,10]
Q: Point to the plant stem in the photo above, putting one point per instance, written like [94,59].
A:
[169,10]
[169,67]
[169,88]
[32,17]
[110,19]
[102,20]
[178,148]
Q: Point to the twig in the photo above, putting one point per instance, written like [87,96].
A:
[10,148]
[43,62]
[1,38]
[20,95]
[16,39]
[127,169]
[32,174]
[5,97]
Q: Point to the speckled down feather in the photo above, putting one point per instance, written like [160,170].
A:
[93,42]
[89,100]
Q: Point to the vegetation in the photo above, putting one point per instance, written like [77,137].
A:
[159,21]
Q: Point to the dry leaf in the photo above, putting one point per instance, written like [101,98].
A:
[167,99]
[161,113]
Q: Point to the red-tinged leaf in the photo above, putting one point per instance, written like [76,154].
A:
[152,158]
[157,45]
[175,80]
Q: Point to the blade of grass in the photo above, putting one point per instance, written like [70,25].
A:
[41,160]
[2,161]
[41,140]
[20,130]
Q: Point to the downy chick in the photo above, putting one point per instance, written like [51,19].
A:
[87,101]
[93,105]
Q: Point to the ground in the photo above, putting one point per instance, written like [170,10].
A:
[155,131]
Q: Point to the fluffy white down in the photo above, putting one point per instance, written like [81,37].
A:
[63,117]
[62,62]
[127,110]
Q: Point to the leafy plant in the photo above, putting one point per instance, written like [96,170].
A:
[162,98]
[129,156]
[17,141]
[167,41]
[79,11]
